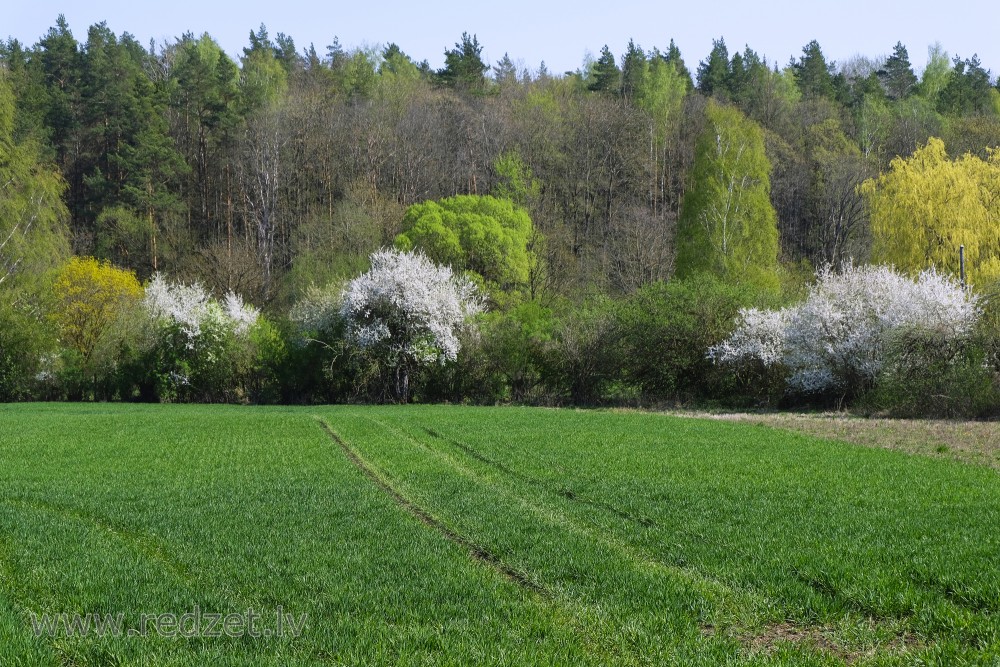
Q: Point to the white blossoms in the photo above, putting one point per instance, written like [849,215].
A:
[409,305]
[319,310]
[239,315]
[839,334]
[194,311]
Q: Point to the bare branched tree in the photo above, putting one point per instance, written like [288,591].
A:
[260,174]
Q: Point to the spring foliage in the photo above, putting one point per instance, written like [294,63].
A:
[728,226]
[33,234]
[927,205]
[483,234]
[836,340]
[88,297]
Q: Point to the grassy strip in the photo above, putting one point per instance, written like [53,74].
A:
[167,508]
[968,441]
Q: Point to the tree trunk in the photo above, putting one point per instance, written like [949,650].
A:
[403,383]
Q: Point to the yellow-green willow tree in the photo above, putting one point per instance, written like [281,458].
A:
[927,205]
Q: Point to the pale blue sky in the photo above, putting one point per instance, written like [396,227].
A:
[560,33]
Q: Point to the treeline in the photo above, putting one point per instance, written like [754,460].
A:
[289,166]
[733,178]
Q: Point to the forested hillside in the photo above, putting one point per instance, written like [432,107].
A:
[288,167]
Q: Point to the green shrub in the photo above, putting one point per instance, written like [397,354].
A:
[930,374]
[25,342]
[663,334]
[500,361]
[578,362]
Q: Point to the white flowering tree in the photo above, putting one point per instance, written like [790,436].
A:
[837,339]
[195,312]
[199,337]
[407,312]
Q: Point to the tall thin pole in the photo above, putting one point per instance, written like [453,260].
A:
[961,264]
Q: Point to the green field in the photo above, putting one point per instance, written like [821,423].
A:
[500,536]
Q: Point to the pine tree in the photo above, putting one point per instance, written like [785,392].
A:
[504,71]
[635,70]
[464,68]
[968,91]
[812,73]
[59,62]
[714,72]
[204,86]
[285,53]
[604,77]
[897,76]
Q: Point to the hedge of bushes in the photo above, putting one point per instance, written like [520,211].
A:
[931,352]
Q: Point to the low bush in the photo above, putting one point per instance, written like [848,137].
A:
[663,333]
[932,374]
[27,344]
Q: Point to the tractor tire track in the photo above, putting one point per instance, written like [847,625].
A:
[476,551]
[566,493]
[142,545]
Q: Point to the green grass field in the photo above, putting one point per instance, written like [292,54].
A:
[499,536]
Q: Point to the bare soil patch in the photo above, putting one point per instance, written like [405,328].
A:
[969,441]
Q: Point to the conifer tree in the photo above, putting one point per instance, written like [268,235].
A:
[605,77]
[714,72]
[897,76]
[464,67]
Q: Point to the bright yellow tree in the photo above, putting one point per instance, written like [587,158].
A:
[89,297]
[928,204]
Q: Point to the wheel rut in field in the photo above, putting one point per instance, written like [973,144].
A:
[955,593]
[143,545]
[819,638]
[566,493]
[476,551]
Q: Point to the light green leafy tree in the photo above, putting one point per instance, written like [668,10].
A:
[928,204]
[33,235]
[936,74]
[483,234]
[728,226]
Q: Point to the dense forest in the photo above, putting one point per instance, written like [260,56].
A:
[283,171]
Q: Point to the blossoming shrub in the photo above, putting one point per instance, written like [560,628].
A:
[405,313]
[201,348]
[92,307]
[835,343]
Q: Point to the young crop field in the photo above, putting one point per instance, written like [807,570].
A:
[481,536]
